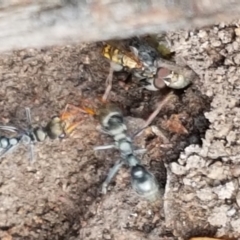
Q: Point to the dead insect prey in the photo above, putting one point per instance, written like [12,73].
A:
[142,61]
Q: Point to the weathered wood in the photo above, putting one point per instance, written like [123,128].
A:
[39,23]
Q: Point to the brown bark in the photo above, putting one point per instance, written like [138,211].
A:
[39,23]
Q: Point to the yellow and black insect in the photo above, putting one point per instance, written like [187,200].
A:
[121,57]
[134,55]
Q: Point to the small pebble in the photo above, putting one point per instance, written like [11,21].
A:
[178,169]
[231,212]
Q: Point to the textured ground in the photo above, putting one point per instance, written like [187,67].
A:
[59,196]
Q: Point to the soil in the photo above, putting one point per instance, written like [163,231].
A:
[59,197]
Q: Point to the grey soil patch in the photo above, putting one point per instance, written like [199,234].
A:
[59,196]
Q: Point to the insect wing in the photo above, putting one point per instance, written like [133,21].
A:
[31,150]
[9,128]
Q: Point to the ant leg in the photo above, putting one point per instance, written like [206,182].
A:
[108,85]
[113,171]
[104,147]
[157,110]
[67,114]
[72,127]
[8,150]
[155,113]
